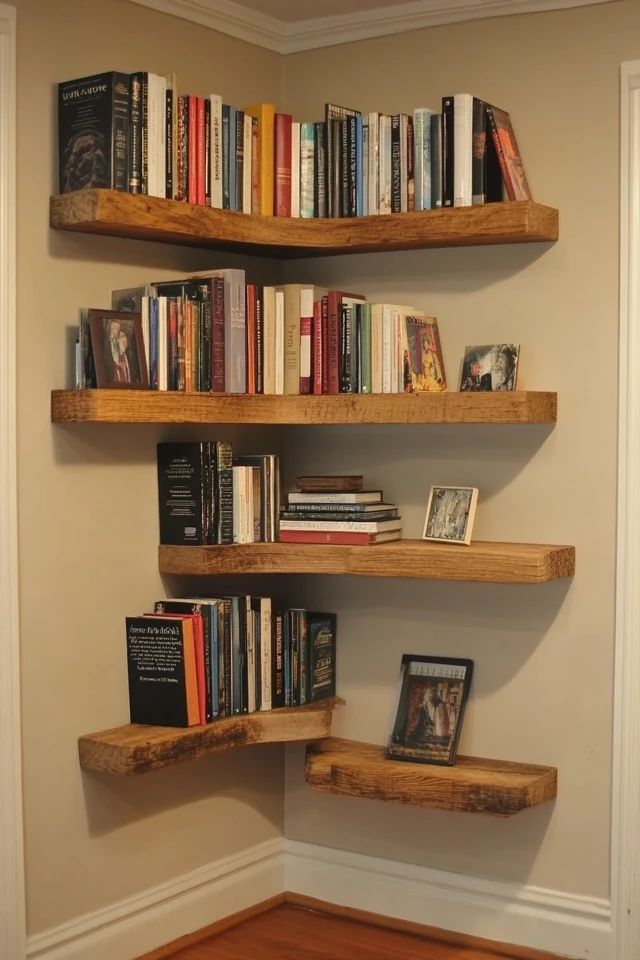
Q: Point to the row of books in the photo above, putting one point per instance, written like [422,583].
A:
[134,133]
[338,510]
[196,660]
[207,496]
[216,332]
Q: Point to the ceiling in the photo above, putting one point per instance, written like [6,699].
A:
[290,26]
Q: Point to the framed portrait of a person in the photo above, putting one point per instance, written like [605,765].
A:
[490,367]
[432,695]
[450,514]
[118,349]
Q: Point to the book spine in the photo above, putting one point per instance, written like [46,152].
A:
[269,339]
[217,334]
[306,330]
[462,149]
[192,148]
[376,348]
[324,317]
[182,173]
[233,160]
[251,337]
[277,661]
[235,372]
[320,186]
[340,526]
[329,536]
[334,315]
[144,164]
[364,352]
[247,175]
[328,167]
[291,338]
[447,151]
[335,160]
[255,166]
[226,123]
[206,329]
[135,133]
[373,161]
[436,161]
[267,159]
[396,185]
[364,157]
[279,342]
[404,163]
[120,111]
[317,347]
[283,165]
[266,653]
[345,167]
[307,170]
[355,166]
[385,176]
[478,153]
[215,103]
[207,152]
[169,144]
[411,166]
[224,491]
[295,169]
[259,361]
[241,160]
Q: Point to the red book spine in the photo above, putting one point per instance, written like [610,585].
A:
[334,310]
[251,337]
[282,199]
[325,341]
[318,353]
[192,161]
[325,536]
[181,150]
[172,378]
[217,334]
[187,307]
[306,355]
[200,151]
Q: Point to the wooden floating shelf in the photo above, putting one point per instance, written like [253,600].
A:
[481,562]
[115,214]
[135,748]
[472,785]
[152,406]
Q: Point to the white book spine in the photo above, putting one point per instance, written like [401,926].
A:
[269,340]
[162,343]
[306,313]
[346,526]
[265,653]
[247,166]
[462,149]
[279,343]
[364,497]
[385,165]
[387,340]
[307,169]
[295,169]
[376,348]
[216,151]
[404,165]
[373,164]
[365,167]
[422,140]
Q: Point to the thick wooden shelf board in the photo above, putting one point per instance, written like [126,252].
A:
[152,406]
[116,214]
[473,785]
[482,562]
[136,748]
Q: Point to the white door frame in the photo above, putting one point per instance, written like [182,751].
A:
[12,907]
[625,834]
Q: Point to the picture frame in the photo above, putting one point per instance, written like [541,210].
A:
[450,514]
[432,696]
[490,367]
[118,349]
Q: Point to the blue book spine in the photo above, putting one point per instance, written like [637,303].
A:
[422,147]
[233,183]
[225,156]
[359,169]
[153,343]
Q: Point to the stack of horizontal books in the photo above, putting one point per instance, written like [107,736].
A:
[336,509]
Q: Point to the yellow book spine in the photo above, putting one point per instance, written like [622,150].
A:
[265,114]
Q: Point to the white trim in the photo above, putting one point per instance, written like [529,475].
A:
[166,912]
[237,20]
[575,926]
[12,909]
[625,840]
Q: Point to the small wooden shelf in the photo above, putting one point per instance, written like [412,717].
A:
[116,214]
[473,785]
[482,562]
[151,406]
[135,748]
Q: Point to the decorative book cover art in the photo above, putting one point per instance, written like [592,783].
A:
[504,139]
[321,638]
[432,696]
[489,367]
[422,356]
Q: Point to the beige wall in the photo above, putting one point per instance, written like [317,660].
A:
[543,656]
[88,524]
[88,527]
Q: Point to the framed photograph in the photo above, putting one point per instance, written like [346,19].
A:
[432,695]
[450,514]
[118,349]
[493,366]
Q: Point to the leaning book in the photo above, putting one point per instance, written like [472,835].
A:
[432,695]
[163,689]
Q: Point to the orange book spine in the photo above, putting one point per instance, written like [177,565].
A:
[265,113]
[191,672]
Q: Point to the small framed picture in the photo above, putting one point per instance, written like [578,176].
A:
[118,349]
[432,695]
[493,366]
[450,514]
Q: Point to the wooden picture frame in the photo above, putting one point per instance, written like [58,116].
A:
[450,514]
[432,695]
[118,349]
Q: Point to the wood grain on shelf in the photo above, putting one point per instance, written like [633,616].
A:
[142,406]
[136,748]
[473,784]
[482,562]
[116,214]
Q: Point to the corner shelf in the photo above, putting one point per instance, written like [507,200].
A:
[136,748]
[472,785]
[115,214]
[152,406]
[481,562]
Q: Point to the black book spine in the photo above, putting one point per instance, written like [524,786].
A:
[182,493]
[344,168]
[183,148]
[346,349]
[259,339]
[239,160]
[478,152]
[226,196]
[207,153]
[336,167]
[411,166]
[226,662]
[436,160]
[329,166]
[447,151]
[493,172]
[144,98]
[135,133]
[352,175]
[396,192]
[320,186]
[224,482]
[170,106]
[322,655]
[277,662]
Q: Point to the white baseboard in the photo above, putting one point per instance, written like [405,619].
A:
[136,925]
[573,926]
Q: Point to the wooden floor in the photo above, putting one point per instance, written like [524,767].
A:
[291,931]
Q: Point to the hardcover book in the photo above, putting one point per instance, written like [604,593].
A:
[182,492]
[321,665]
[504,139]
[93,132]
[422,356]
[161,665]
[338,483]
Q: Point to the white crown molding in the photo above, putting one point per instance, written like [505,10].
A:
[12,906]
[563,923]
[162,914]
[283,37]
[625,841]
